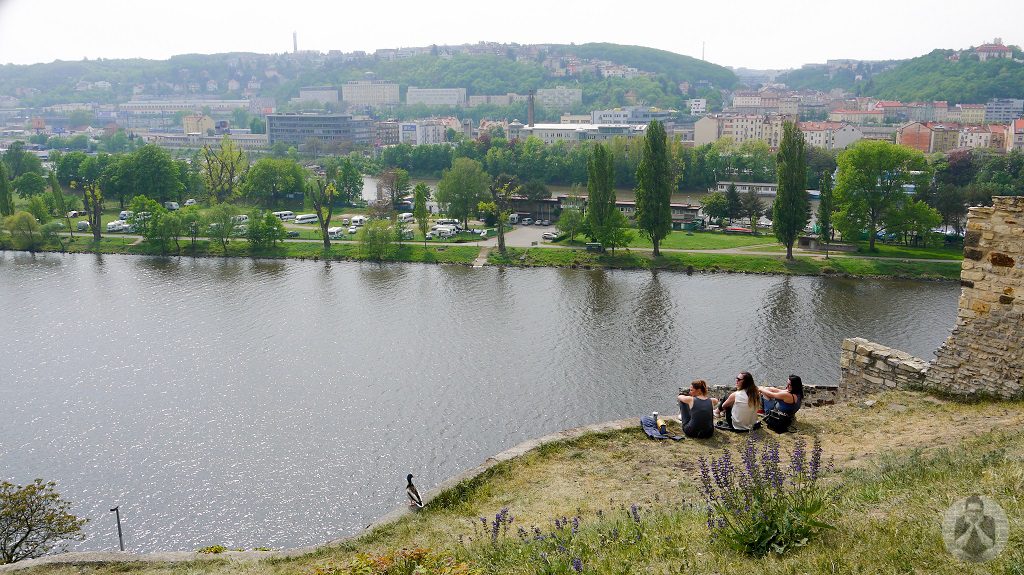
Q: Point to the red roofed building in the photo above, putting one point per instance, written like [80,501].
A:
[830,135]
[994,50]
[857,116]
[929,137]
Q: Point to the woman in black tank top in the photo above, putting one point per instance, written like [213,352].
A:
[696,411]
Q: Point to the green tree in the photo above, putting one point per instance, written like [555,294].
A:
[92,197]
[6,199]
[269,179]
[870,182]
[37,207]
[752,207]
[222,169]
[502,189]
[155,174]
[220,223]
[600,195]
[535,190]
[912,221]
[654,187]
[570,222]
[618,234]
[421,193]
[34,520]
[734,202]
[265,230]
[30,184]
[462,188]
[26,233]
[393,185]
[147,221]
[321,194]
[191,223]
[20,161]
[791,209]
[350,182]
[825,207]
[715,206]
[51,232]
[377,240]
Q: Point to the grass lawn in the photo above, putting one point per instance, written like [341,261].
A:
[898,251]
[538,257]
[696,241]
[899,464]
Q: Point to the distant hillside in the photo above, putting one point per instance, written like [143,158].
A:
[929,77]
[934,77]
[282,75]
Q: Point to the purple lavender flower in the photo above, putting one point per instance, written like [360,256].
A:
[577,565]
[634,510]
[575,524]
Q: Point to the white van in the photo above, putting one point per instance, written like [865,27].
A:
[172,206]
[305,218]
[285,216]
[335,233]
[125,215]
[358,220]
[405,217]
[240,219]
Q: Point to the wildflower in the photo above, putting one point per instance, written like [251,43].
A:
[634,510]
[577,565]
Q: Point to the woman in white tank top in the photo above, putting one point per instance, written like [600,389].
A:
[741,406]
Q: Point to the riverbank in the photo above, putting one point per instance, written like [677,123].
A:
[709,261]
[901,460]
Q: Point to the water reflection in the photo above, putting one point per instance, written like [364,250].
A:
[281,403]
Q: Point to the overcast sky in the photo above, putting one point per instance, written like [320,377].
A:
[740,33]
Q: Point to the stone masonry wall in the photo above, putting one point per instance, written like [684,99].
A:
[985,352]
[871,367]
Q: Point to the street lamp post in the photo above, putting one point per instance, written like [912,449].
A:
[120,537]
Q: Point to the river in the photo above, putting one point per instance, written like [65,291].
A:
[281,403]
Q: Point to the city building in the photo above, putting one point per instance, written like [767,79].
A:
[297,129]
[741,128]
[575,119]
[764,189]
[992,137]
[1003,110]
[682,214]
[634,115]
[159,107]
[1015,136]
[321,94]
[559,98]
[496,100]
[373,93]
[419,133]
[830,135]
[972,113]
[698,106]
[197,124]
[573,133]
[857,117]
[929,137]
[436,96]
[387,133]
[247,142]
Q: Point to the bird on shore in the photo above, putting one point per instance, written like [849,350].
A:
[414,495]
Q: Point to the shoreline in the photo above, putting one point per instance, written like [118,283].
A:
[535,257]
[473,474]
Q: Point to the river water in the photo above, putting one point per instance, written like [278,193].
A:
[281,403]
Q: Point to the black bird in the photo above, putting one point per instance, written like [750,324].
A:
[413,493]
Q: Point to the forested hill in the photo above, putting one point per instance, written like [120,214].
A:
[930,77]
[934,77]
[281,75]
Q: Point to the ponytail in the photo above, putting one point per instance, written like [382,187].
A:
[700,385]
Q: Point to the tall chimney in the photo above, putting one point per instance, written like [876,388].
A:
[295,42]
[529,107]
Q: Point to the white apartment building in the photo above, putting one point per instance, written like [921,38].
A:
[419,133]
[830,135]
[370,93]
[698,106]
[322,94]
[574,133]
[436,96]
[157,107]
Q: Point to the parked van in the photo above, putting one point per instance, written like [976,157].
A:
[125,215]
[83,226]
[172,206]
[305,218]
[285,216]
[335,233]
[241,219]
[446,221]
[445,232]
[405,217]
[116,226]
[358,220]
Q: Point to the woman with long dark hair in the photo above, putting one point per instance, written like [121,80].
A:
[740,408]
[787,400]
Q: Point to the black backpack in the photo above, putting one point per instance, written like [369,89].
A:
[778,421]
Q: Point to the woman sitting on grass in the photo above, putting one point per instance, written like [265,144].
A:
[696,411]
[787,400]
[740,407]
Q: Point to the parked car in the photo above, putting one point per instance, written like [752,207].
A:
[172,206]
[240,219]
[483,233]
[527,221]
[547,223]
[293,234]
[75,214]
[538,223]
[83,226]
[353,229]
[190,202]
[335,233]
[125,215]
[116,226]
[595,247]
[549,235]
